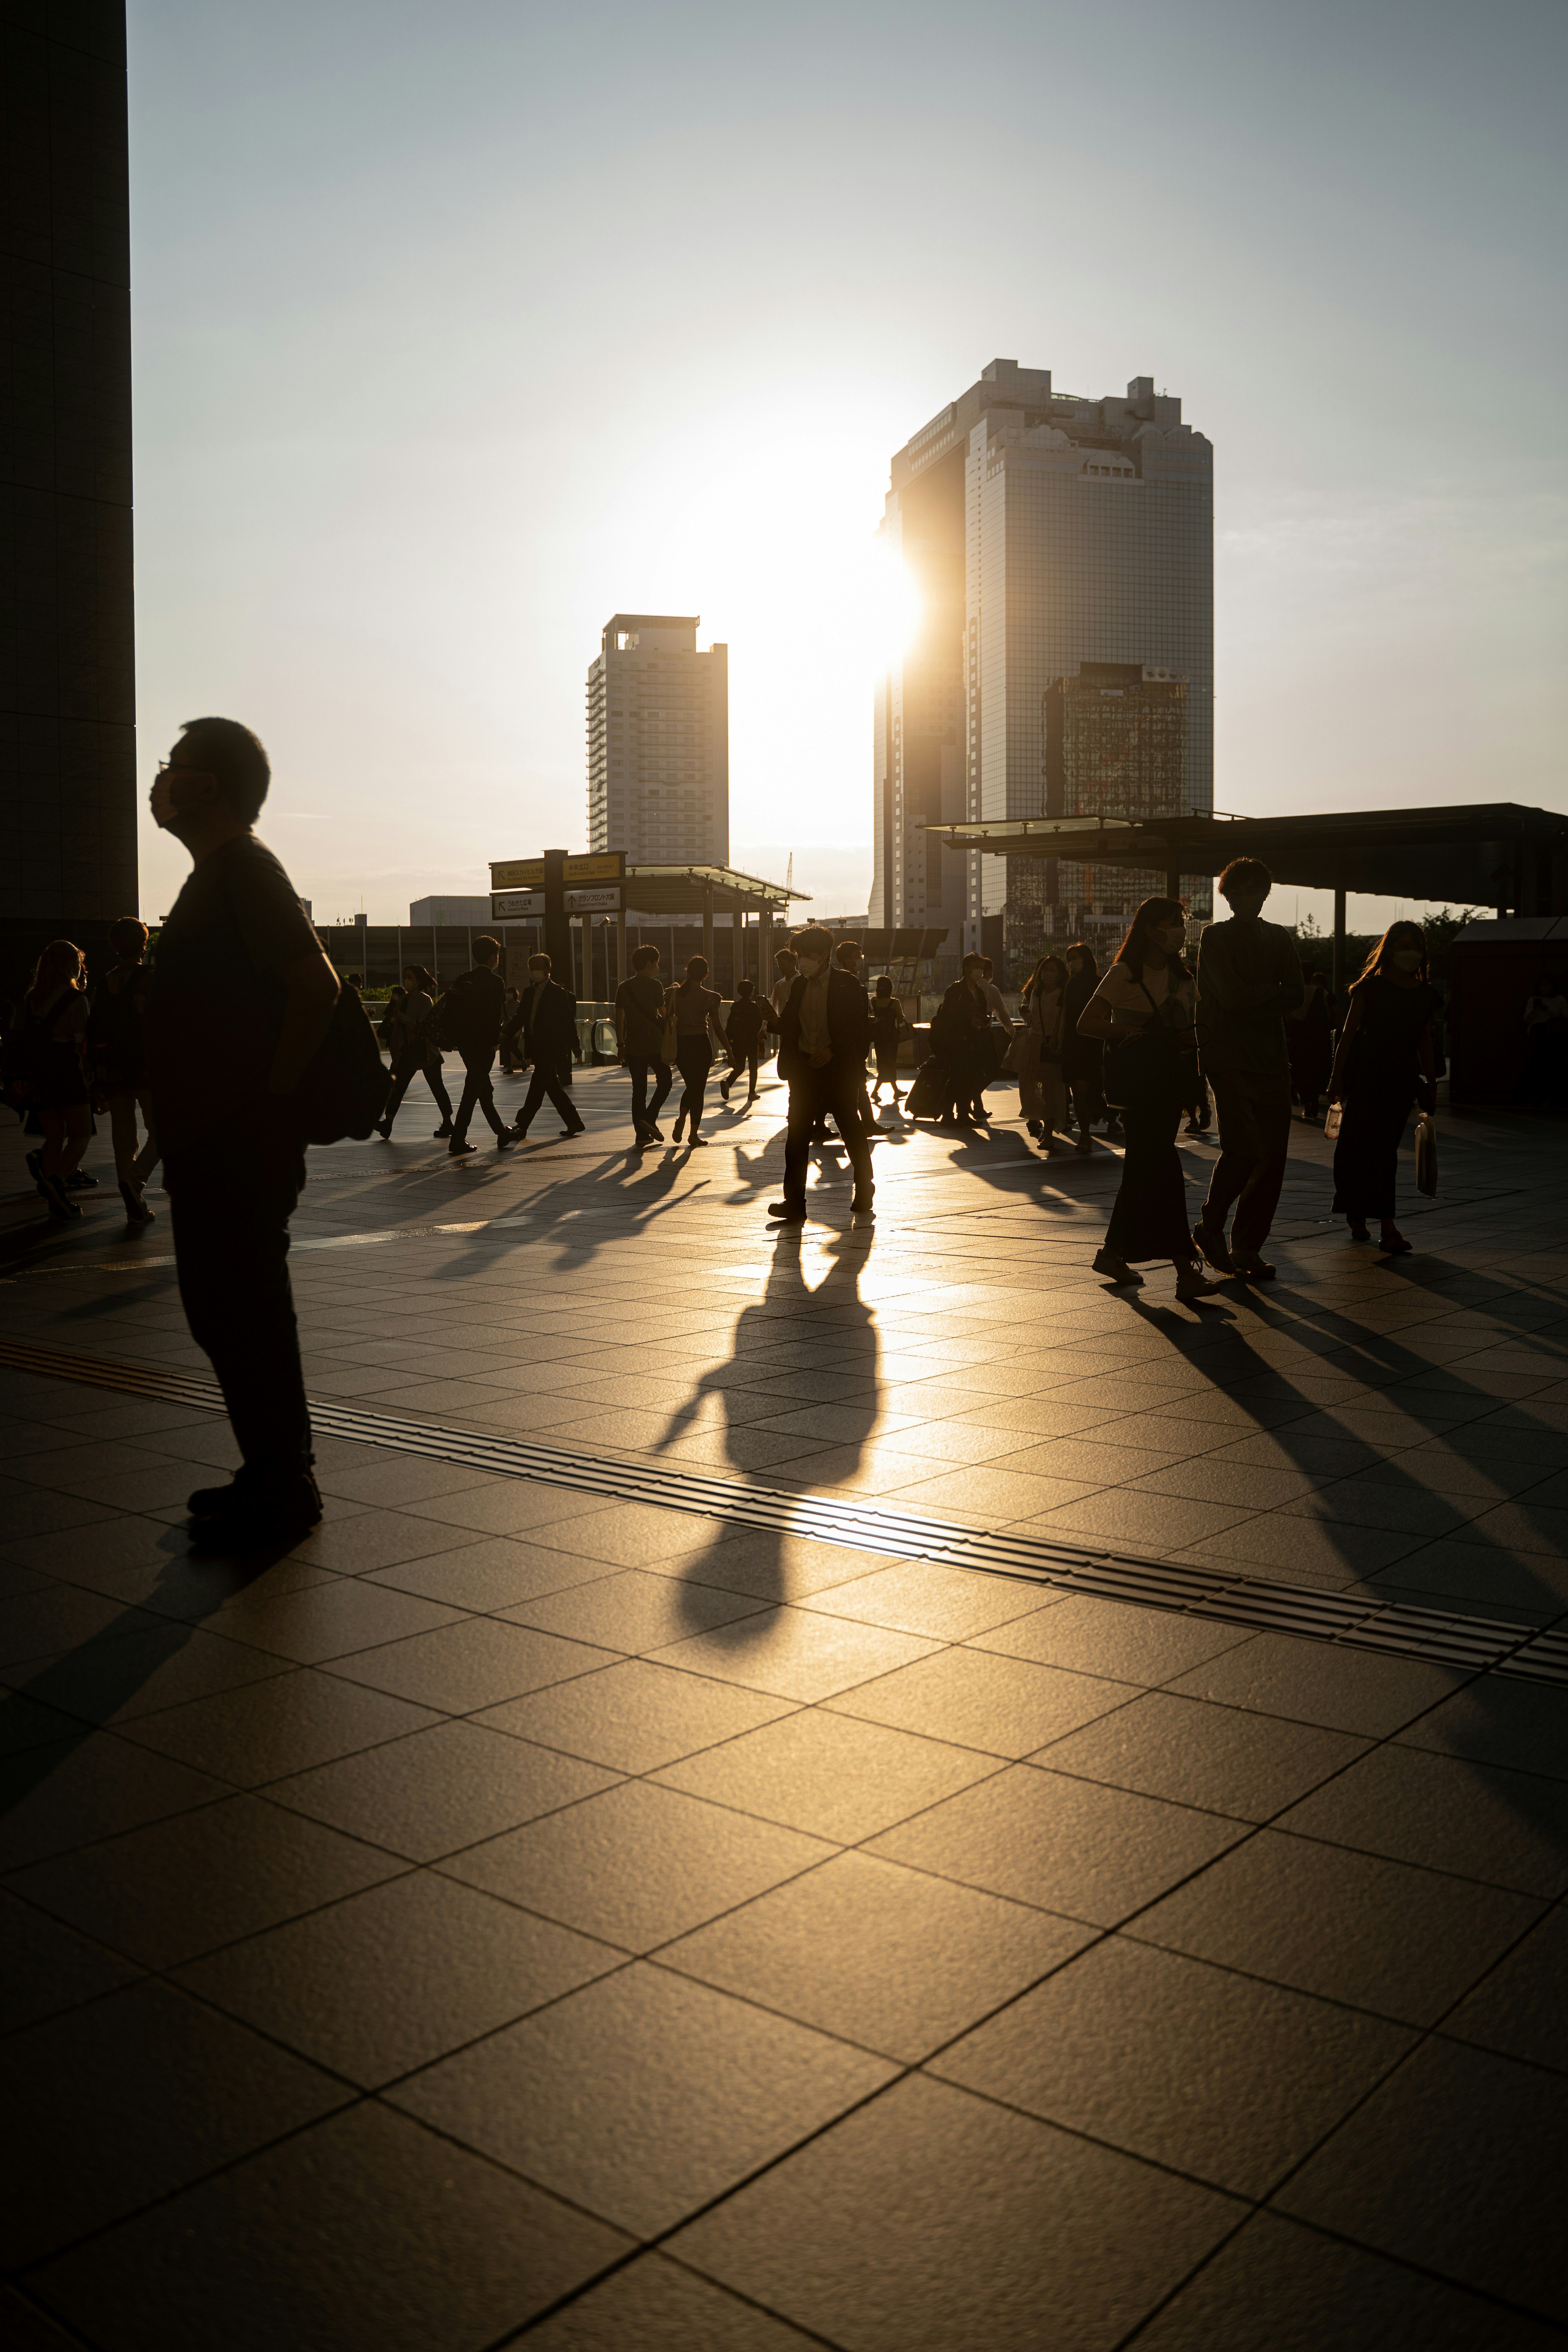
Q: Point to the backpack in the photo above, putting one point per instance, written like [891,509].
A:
[345,1084]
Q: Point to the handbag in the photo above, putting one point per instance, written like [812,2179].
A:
[1426,1155]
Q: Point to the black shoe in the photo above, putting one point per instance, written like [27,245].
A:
[458,1151]
[60,1205]
[137,1213]
[78,1180]
[655,1130]
[256,1510]
[505,1140]
[443,1131]
[581,1128]
[1215,1247]
[861,1208]
[781,1213]
[384,1128]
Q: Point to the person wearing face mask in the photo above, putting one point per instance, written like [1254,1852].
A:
[824,1035]
[1143,1010]
[1383,1062]
[1082,1055]
[1249,982]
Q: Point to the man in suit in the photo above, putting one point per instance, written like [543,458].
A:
[470,1016]
[545,1023]
[1249,982]
[824,1035]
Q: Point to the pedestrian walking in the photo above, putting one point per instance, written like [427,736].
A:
[1309,1039]
[117,1055]
[849,956]
[1142,1013]
[888,1026]
[1250,980]
[1082,1055]
[961,1034]
[545,1025]
[469,1018]
[242,995]
[825,1031]
[747,1036]
[639,1033]
[509,1011]
[415,1053]
[1036,1055]
[46,1073]
[694,1008]
[1384,1063]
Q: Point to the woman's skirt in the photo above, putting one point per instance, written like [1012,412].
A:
[1150,1218]
[1366,1156]
[60,1082]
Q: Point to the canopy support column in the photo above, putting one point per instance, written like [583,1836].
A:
[1172,883]
[737,946]
[708,928]
[1338,975]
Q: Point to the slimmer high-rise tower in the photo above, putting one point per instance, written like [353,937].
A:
[1063,664]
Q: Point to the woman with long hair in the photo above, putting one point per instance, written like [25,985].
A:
[1042,1091]
[1082,1057]
[1384,1063]
[413,1050]
[49,1046]
[1143,1010]
[696,1011]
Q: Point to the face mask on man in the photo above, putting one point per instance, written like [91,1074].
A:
[809,966]
[1406,958]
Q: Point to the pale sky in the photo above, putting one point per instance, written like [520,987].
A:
[459,328]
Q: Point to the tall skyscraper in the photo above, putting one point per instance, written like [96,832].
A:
[659,744]
[68,772]
[1061,549]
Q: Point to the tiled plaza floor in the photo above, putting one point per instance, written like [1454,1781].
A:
[525,1913]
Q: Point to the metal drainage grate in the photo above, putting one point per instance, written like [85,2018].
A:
[1442,1637]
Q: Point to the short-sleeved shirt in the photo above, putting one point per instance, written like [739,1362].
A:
[694,1008]
[640,1002]
[215,1011]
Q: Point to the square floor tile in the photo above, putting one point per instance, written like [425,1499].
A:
[109,1681]
[643,2097]
[163,1894]
[330,1621]
[1221,1758]
[892,1959]
[1067,1846]
[795,1652]
[113,2105]
[53,1617]
[1210,2073]
[1510,1828]
[1111,1638]
[89,1787]
[861,2237]
[658,2306]
[375,1539]
[638,1865]
[1521,1725]
[367,2234]
[436,1791]
[774,1568]
[922,1596]
[392,1979]
[475,1664]
[1518,2008]
[1318,1682]
[975,1698]
[45,1968]
[633,1534]
[636,1716]
[284,1724]
[1455,2163]
[1347,1926]
[634,1611]
[509,1507]
[1294,2290]
[493,1572]
[830,1775]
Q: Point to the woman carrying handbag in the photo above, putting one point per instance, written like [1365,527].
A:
[1036,1055]
[1144,1011]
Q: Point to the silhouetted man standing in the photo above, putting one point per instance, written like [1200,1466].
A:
[241,995]
[471,1014]
[546,1021]
[1250,978]
[825,1033]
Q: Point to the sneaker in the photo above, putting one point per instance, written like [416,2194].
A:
[78,1180]
[1251,1268]
[1193,1283]
[1117,1270]
[782,1213]
[1215,1248]
[458,1151]
[137,1213]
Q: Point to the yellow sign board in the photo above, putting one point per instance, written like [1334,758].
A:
[528,872]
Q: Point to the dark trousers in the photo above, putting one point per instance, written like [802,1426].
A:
[742,1059]
[887,1068]
[1254,1108]
[812,1095]
[477,1093]
[646,1113]
[1150,1218]
[547,1080]
[400,1084]
[693,1059]
[231,1194]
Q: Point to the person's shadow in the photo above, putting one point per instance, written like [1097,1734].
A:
[804,1353]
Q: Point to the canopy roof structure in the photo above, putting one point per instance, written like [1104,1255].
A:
[665,890]
[1491,853]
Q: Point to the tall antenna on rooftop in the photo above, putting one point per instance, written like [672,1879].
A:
[789,874]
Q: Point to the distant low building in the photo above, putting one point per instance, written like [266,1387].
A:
[451,910]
